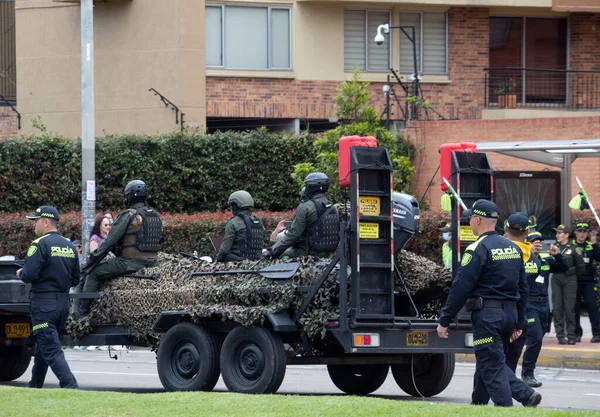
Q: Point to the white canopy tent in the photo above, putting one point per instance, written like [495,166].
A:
[556,153]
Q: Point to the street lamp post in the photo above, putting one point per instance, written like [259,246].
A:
[88,171]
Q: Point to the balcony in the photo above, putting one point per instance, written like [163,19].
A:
[542,89]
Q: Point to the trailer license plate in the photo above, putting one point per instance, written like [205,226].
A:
[17,330]
[417,338]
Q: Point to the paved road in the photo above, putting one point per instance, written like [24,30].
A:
[135,371]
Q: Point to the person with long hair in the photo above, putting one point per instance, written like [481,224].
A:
[101,229]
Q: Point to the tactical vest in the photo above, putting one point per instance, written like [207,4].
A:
[255,237]
[324,236]
[144,234]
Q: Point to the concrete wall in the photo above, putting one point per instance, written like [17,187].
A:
[139,44]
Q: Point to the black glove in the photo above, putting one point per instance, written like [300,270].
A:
[267,254]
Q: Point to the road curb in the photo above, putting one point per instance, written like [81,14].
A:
[555,357]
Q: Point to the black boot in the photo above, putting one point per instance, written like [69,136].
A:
[531,381]
[595,339]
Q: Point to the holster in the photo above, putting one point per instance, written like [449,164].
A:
[474,304]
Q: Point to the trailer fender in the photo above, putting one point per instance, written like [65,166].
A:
[168,319]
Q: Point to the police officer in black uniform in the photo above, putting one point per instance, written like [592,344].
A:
[244,234]
[52,268]
[492,283]
[587,286]
[135,239]
[516,229]
[538,307]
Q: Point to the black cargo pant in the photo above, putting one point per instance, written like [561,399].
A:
[492,328]
[589,291]
[49,313]
[538,313]
[114,268]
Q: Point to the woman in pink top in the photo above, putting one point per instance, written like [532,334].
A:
[99,232]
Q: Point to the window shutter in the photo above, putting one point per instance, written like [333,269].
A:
[406,46]
[246,49]
[434,43]
[214,33]
[280,38]
[378,55]
[354,40]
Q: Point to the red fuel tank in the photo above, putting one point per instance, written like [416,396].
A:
[345,144]
[446,162]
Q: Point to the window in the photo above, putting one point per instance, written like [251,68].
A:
[248,37]
[360,51]
[430,40]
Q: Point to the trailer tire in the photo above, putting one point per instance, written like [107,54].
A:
[14,361]
[432,374]
[253,361]
[358,379]
[188,359]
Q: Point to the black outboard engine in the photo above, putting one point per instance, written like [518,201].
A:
[406,219]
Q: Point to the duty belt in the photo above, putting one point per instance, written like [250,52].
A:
[537,299]
[48,295]
[499,303]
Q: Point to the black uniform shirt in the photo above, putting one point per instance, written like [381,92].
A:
[51,265]
[492,268]
[590,253]
[556,263]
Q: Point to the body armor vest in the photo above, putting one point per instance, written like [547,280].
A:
[324,236]
[255,237]
[144,235]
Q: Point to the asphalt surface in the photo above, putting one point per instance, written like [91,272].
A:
[135,371]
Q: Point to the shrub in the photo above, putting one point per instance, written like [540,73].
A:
[185,172]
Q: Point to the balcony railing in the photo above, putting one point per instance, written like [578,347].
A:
[8,69]
[537,88]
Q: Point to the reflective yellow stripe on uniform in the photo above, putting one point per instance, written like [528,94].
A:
[483,341]
[532,320]
[40,326]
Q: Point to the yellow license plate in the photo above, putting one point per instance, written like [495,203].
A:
[368,230]
[369,206]
[17,330]
[417,338]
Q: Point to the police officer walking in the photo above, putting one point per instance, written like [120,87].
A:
[303,237]
[564,288]
[135,239]
[244,234]
[52,268]
[492,283]
[516,228]
[587,288]
[538,307]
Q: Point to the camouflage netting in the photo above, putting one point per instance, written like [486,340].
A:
[245,298]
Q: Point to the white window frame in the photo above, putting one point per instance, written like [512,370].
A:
[270,66]
[371,41]
[420,29]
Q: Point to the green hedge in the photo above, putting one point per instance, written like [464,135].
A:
[186,172]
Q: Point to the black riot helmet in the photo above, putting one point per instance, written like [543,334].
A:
[316,182]
[135,190]
[242,199]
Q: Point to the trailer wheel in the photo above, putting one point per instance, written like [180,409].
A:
[358,379]
[253,361]
[188,359]
[14,361]
[432,374]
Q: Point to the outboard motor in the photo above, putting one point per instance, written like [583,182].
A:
[406,219]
